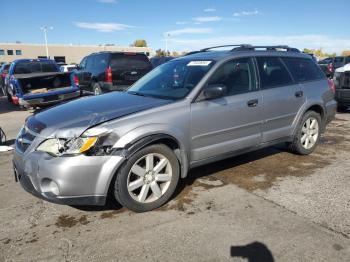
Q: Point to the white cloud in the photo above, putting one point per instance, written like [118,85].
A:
[209,10]
[189,30]
[103,27]
[108,1]
[203,19]
[246,13]
[181,22]
[327,43]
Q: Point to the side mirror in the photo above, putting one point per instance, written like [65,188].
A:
[214,91]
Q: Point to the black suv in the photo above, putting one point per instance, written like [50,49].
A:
[111,71]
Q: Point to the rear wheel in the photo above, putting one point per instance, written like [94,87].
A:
[148,179]
[307,135]
[97,89]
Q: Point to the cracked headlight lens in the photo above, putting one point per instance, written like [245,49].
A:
[57,147]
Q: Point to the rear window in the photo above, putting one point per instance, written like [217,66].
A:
[303,69]
[273,73]
[129,62]
[34,67]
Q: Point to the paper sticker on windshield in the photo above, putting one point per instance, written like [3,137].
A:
[199,63]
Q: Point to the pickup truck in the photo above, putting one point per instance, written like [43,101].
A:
[39,82]
[341,81]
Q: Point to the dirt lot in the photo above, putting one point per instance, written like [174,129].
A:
[270,205]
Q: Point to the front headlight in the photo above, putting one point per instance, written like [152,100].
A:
[57,147]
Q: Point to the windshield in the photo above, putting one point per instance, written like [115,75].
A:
[173,80]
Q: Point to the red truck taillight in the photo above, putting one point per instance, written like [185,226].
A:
[108,75]
[76,80]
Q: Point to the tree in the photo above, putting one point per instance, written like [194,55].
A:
[175,54]
[140,43]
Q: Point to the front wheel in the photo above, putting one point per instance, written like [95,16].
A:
[148,179]
[307,134]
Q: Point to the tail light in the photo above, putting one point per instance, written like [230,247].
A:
[108,75]
[15,100]
[76,80]
[331,85]
[330,67]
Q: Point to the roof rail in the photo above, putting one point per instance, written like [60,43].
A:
[219,46]
[267,48]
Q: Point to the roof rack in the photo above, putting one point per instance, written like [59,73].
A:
[247,47]
[267,48]
[220,46]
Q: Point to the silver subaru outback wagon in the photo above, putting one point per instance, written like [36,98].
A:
[193,110]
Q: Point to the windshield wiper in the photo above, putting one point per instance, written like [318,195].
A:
[136,93]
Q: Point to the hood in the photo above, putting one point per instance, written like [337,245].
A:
[73,118]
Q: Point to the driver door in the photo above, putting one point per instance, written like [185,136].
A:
[230,123]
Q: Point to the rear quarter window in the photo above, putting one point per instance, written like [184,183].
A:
[303,70]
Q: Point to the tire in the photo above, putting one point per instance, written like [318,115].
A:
[9,97]
[97,89]
[301,147]
[141,195]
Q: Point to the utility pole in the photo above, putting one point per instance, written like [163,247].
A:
[44,29]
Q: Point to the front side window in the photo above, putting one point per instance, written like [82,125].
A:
[272,73]
[303,69]
[9,52]
[173,80]
[238,76]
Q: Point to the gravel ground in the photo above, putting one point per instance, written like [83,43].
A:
[268,205]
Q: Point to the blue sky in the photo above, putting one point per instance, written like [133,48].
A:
[188,24]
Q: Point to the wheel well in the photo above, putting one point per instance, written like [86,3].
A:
[317,109]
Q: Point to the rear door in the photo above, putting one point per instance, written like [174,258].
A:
[127,68]
[232,122]
[282,98]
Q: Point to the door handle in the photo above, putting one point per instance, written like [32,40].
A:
[253,103]
[299,93]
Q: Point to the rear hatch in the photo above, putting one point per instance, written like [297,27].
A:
[127,68]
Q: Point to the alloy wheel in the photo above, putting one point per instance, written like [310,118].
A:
[149,178]
[309,133]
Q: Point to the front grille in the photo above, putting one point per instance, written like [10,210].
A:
[25,139]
